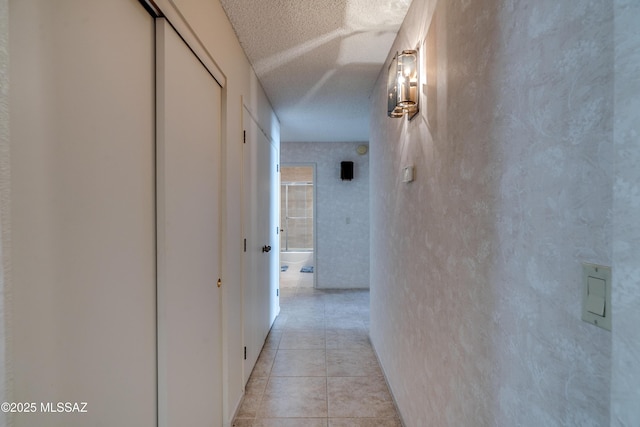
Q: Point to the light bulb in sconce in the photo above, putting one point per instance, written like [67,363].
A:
[402,84]
[409,78]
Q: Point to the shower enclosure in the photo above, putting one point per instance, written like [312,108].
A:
[297,216]
[297,220]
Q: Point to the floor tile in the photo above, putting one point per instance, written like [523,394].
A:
[306,323]
[290,422]
[255,386]
[364,422]
[280,322]
[317,367]
[344,322]
[347,338]
[273,339]
[345,309]
[291,397]
[264,363]
[243,422]
[359,362]
[359,397]
[304,291]
[303,340]
[286,292]
[300,363]
[305,305]
[249,407]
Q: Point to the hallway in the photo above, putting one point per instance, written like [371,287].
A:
[317,368]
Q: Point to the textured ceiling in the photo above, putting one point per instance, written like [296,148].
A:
[318,60]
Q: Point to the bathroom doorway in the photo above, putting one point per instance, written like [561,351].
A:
[297,226]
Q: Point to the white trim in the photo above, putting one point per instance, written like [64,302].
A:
[229,423]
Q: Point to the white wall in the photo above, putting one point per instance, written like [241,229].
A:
[476,266]
[342,256]
[625,392]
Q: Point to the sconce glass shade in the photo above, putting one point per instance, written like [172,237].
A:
[402,84]
[393,109]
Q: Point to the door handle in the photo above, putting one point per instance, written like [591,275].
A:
[266,248]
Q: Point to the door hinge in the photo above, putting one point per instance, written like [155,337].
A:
[277,292]
[278,168]
[245,245]
[244,136]
[245,352]
[219,282]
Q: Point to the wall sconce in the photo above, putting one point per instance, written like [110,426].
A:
[402,86]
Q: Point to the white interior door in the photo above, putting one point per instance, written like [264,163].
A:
[253,248]
[263,211]
[83,211]
[274,231]
[268,223]
[259,289]
[188,182]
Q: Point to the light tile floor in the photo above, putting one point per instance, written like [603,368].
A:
[292,277]
[317,368]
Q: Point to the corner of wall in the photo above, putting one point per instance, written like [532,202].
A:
[625,372]
[5,262]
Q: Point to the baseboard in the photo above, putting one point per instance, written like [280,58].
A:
[386,380]
[229,423]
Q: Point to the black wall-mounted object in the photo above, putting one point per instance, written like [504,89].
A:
[346,171]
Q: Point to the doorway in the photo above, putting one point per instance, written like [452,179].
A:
[297,226]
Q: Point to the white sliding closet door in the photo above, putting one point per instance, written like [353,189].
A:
[83,303]
[188,179]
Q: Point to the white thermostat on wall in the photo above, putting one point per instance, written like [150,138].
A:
[407,174]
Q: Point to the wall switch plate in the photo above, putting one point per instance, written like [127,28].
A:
[407,174]
[596,295]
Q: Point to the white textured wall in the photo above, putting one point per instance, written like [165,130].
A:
[342,249]
[4,197]
[476,266]
[625,381]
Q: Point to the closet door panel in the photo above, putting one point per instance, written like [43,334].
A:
[83,212]
[189,310]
